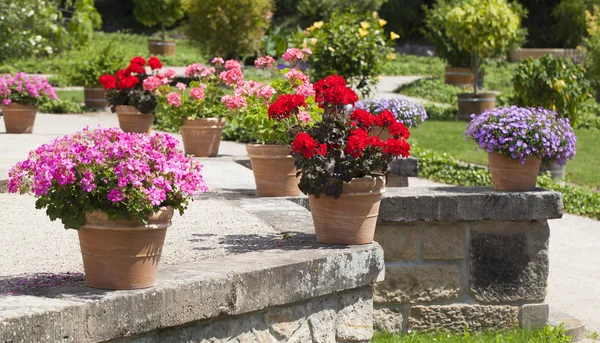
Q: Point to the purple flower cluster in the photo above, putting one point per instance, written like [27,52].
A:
[25,90]
[111,170]
[408,113]
[520,133]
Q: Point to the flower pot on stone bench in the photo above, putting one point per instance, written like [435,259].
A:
[274,170]
[19,118]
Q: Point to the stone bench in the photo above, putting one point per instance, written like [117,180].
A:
[400,170]
[464,258]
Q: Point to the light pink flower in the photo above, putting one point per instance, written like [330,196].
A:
[295,75]
[232,76]
[306,90]
[292,55]
[307,52]
[197,93]
[174,99]
[6,102]
[232,64]
[152,83]
[234,102]
[249,87]
[266,62]
[170,73]
[266,92]
[304,116]
[180,86]
[218,61]
[199,70]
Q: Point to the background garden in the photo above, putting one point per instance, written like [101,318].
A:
[76,41]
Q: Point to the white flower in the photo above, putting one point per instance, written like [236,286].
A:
[38,38]
[32,12]
[2,17]
[49,50]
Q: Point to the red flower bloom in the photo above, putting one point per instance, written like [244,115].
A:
[136,68]
[385,118]
[128,82]
[333,90]
[154,63]
[139,60]
[322,149]
[398,130]
[357,142]
[284,106]
[364,118]
[396,147]
[306,145]
[122,73]
[108,81]
[376,142]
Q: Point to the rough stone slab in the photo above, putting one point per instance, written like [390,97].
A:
[387,320]
[443,241]
[450,204]
[457,318]
[400,241]
[573,326]
[533,316]
[396,181]
[354,321]
[407,167]
[418,283]
[186,293]
[509,261]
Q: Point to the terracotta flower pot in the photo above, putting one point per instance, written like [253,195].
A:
[351,219]
[383,133]
[94,97]
[161,47]
[19,118]
[274,170]
[132,120]
[469,103]
[202,137]
[122,254]
[512,175]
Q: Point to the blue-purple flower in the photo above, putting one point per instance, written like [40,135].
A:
[408,113]
[519,133]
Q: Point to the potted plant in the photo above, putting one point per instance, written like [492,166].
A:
[272,112]
[21,95]
[408,113]
[518,140]
[127,97]
[119,190]
[555,84]
[341,164]
[484,29]
[163,12]
[198,111]
[86,66]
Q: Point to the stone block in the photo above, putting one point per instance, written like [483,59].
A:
[509,261]
[444,241]
[394,181]
[457,318]
[421,283]
[355,319]
[404,167]
[400,241]
[387,320]
[533,316]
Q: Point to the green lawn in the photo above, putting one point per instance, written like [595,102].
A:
[448,137]
[546,335]
[76,96]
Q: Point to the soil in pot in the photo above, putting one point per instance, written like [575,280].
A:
[94,97]
[352,218]
[202,137]
[274,170]
[161,47]
[122,254]
[512,175]
[469,103]
[132,120]
[19,118]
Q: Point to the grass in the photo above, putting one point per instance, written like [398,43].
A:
[415,65]
[76,95]
[447,137]
[546,335]
[433,89]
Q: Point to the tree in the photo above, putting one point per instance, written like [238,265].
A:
[163,12]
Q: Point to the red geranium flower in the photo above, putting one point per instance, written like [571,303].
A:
[154,63]
[286,105]
[398,130]
[333,90]
[122,73]
[305,144]
[139,60]
[322,149]
[128,82]
[357,142]
[385,118]
[363,117]
[108,81]
[136,68]
[396,147]
[376,142]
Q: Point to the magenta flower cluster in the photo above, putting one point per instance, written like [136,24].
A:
[124,174]
[25,90]
[520,133]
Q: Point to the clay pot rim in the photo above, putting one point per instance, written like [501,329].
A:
[512,159]
[128,113]
[277,151]
[476,95]
[133,225]
[358,183]
[212,122]
[16,105]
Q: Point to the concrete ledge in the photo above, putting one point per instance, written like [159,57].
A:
[450,204]
[407,167]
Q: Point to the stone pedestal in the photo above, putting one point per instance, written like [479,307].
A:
[464,258]
[400,170]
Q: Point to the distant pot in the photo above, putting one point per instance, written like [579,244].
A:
[381,132]
[132,120]
[202,137]
[512,175]
[469,103]
[556,171]
[274,170]
[516,55]
[94,97]
[122,254]
[461,77]
[19,118]
[350,219]
[161,47]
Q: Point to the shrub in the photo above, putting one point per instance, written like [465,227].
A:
[555,84]
[406,17]
[591,46]
[570,27]
[354,46]
[441,113]
[163,12]
[84,67]
[228,28]
[485,29]
[314,10]
[61,106]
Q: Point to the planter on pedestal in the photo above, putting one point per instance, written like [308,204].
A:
[557,171]
[469,103]
[18,118]
[274,170]
[161,47]
[202,137]
[512,175]
[132,120]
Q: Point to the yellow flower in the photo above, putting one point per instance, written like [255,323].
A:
[310,28]
[318,24]
[330,49]
[394,35]
[391,56]
[382,22]
[313,41]
[363,32]
[558,85]
[364,25]
[374,15]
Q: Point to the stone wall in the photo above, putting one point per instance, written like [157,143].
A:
[461,262]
